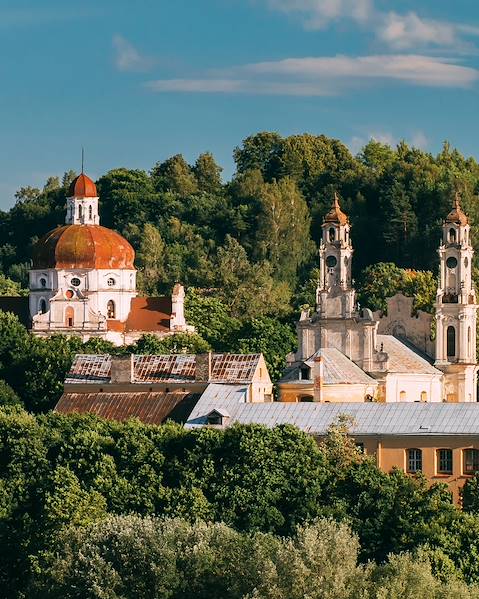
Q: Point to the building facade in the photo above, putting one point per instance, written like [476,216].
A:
[396,351]
[83,280]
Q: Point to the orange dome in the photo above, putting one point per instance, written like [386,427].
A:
[82,187]
[83,246]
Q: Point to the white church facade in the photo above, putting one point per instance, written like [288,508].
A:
[83,281]
[348,354]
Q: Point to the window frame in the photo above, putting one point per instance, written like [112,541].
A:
[440,459]
[410,460]
[465,452]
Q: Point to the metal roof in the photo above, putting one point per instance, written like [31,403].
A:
[403,359]
[338,369]
[149,407]
[175,368]
[369,418]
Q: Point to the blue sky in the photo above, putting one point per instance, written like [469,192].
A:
[135,82]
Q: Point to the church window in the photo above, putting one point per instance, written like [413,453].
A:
[306,398]
[332,234]
[110,282]
[75,282]
[423,395]
[452,235]
[43,282]
[444,461]
[451,262]
[331,261]
[414,460]
[80,211]
[69,294]
[110,309]
[402,396]
[42,307]
[69,317]
[470,461]
[90,212]
[451,341]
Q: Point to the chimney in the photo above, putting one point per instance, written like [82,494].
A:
[318,370]
[121,370]
[203,367]
[177,321]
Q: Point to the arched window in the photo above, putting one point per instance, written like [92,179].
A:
[110,309]
[414,460]
[90,212]
[451,342]
[42,306]
[452,235]
[69,316]
[402,396]
[332,234]
[43,282]
[80,211]
[423,395]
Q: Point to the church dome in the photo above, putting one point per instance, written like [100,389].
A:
[83,246]
[456,215]
[82,187]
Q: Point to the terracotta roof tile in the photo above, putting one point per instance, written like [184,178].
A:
[149,314]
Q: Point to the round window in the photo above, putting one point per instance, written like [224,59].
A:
[75,282]
[451,262]
[110,282]
[69,293]
[331,261]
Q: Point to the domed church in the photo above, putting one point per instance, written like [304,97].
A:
[83,280]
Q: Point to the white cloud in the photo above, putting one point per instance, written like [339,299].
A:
[419,140]
[319,13]
[323,76]
[407,31]
[398,31]
[128,58]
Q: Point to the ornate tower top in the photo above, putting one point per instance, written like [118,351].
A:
[82,202]
[335,214]
[456,215]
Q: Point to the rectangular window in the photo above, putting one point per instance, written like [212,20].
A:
[305,373]
[471,461]
[444,461]
[414,460]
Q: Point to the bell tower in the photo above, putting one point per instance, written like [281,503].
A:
[335,295]
[456,308]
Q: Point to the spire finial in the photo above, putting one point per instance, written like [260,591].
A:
[336,200]
[457,199]
[82,158]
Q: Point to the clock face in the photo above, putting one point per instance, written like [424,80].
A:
[75,282]
[451,262]
[331,261]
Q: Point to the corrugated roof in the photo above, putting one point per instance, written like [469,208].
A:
[217,397]
[403,359]
[369,418]
[149,407]
[337,369]
[175,368]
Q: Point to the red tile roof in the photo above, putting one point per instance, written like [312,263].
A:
[177,368]
[149,314]
[149,407]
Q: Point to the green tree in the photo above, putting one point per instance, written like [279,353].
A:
[175,175]
[208,173]
[11,288]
